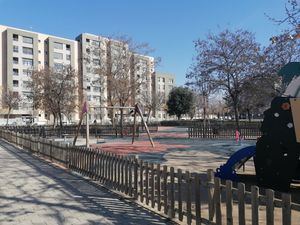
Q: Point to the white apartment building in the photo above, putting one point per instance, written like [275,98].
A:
[92,80]
[163,83]
[22,51]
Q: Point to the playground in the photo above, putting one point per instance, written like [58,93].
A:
[174,148]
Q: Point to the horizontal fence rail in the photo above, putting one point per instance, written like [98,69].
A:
[182,196]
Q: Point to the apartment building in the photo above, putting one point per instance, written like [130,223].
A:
[92,78]
[22,51]
[142,74]
[163,83]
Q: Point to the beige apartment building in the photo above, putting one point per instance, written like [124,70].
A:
[22,51]
[163,83]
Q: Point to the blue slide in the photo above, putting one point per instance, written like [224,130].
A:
[228,170]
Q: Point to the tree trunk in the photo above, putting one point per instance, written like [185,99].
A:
[60,123]
[249,115]
[204,113]
[121,122]
[112,117]
[148,117]
[54,120]
[8,114]
[236,115]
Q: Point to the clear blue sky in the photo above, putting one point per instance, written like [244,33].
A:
[169,26]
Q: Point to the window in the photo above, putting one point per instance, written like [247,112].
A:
[58,45]
[88,88]
[27,51]
[27,72]
[58,66]
[15,48]
[88,69]
[15,60]
[87,40]
[28,40]
[26,84]
[96,43]
[39,51]
[15,37]
[89,98]
[68,57]
[96,62]
[15,83]
[57,55]
[15,72]
[163,79]
[96,98]
[15,93]
[68,47]
[97,89]
[88,51]
[27,62]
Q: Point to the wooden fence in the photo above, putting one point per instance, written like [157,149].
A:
[182,196]
[223,132]
[96,130]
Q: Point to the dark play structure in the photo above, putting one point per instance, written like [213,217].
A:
[277,151]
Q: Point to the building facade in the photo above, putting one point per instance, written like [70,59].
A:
[163,83]
[23,51]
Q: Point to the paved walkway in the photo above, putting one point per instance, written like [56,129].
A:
[35,192]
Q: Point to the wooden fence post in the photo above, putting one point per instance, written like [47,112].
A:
[270,206]
[171,211]
[136,178]
[165,189]
[210,189]
[254,205]
[147,183]
[229,203]
[188,198]
[158,184]
[152,185]
[241,202]
[141,181]
[197,198]
[179,197]
[217,197]
[126,175]
[286,209]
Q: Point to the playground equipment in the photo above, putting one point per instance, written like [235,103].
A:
[277,151]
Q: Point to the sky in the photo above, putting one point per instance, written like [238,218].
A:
[169,26]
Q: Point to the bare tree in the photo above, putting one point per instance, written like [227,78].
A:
[225,61]
[152,103]
[11,100]
[119,64]
[55,91]
[292,14]
[201,85]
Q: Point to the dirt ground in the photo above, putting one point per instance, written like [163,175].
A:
[174,148]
